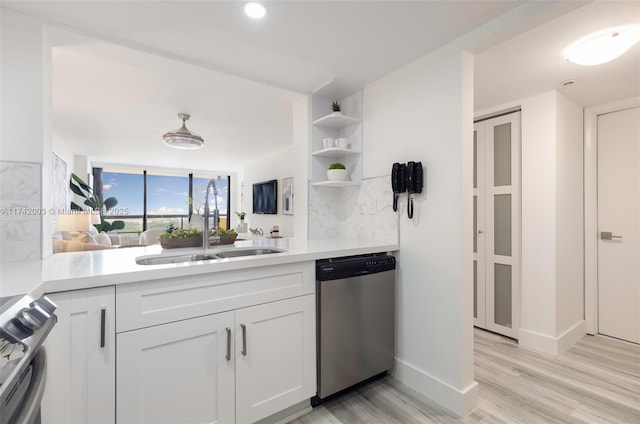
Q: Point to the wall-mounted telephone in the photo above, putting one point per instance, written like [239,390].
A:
[398,182]
[406,177]
[414,181]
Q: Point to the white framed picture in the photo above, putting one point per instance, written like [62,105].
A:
[287,196]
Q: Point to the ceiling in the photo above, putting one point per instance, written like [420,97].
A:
[532,62]
[119,86]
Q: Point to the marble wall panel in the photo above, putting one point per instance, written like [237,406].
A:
[20,211]
[361,212]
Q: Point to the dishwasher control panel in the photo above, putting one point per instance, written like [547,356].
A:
[332,269]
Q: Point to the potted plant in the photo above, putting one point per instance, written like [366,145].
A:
[335,107]
[337,172]
[95,202]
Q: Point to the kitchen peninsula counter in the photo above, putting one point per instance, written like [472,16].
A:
[82,270]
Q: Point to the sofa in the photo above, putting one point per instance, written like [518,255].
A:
[91,240]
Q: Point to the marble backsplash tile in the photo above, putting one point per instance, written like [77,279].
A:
[20,211]
[363,212]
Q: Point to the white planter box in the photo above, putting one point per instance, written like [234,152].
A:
[337,175]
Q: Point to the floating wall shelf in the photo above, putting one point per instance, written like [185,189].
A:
[336,121]
[335,152]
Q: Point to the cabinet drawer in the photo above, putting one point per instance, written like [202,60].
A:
[151,303]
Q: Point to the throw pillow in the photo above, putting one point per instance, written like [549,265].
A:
[103,238]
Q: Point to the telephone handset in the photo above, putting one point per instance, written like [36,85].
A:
[398,182]
[414,182]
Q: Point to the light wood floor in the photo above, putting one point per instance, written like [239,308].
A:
[596,381]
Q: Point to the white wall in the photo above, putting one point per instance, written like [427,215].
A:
[417,113]
[276,166]
[569,215]
[301,163]
[538,313]
[25,121]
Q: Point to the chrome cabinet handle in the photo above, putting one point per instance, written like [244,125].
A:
[228,356]
[103,324]
[607,235]
[244,340]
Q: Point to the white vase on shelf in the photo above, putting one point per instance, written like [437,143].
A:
[242,227]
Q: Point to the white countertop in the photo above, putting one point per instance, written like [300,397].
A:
[80,270]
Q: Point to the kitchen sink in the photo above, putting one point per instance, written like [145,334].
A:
[194,257]
[177,259]
[248,252]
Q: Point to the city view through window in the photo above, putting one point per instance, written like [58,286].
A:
[167,198]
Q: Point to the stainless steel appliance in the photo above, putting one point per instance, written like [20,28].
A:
[355,321]
[24,325]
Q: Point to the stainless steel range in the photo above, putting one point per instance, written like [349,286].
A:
[24,325]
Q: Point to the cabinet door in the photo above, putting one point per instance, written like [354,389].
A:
[177,372]
[80,384]
[275,357]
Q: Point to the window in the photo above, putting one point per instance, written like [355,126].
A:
[152,199]
[128,188]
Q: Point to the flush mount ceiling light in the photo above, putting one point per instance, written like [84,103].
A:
[183,138]
[254,10]
[603,46]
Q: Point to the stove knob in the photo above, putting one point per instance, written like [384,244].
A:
[33,317]
[46,304]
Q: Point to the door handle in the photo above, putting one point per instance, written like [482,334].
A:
[244,340]
[606,235]
[228,355]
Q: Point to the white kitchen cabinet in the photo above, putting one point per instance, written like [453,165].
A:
[181,372]
[239,366]
[80,349]
[275,357]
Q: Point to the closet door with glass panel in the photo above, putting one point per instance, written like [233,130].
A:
[496,224]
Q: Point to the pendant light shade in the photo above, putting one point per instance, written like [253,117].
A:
[183,138]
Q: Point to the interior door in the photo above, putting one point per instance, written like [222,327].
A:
[478,226]
[497,220]
[619,224]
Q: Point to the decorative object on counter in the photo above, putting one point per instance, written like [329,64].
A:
[177,237]
[335,107]
[275,232]
[337,172]
[327,143]
[182,138]
[287,196]
[257,231]
[242,227]
[95,202]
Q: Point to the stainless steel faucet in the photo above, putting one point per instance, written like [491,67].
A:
[205,234]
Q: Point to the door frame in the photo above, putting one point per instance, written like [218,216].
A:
[591,205]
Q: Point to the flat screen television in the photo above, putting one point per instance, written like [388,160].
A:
[265,197]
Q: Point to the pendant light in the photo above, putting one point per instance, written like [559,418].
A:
[183,138]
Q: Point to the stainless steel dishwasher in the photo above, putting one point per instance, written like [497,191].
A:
[355,321]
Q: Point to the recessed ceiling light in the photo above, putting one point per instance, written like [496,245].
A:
[254,10]
[568,82]
[602,46]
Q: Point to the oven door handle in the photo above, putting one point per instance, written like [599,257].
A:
[30,407]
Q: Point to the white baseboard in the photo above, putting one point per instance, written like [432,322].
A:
[572,336]
[459,402]
[549,344]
